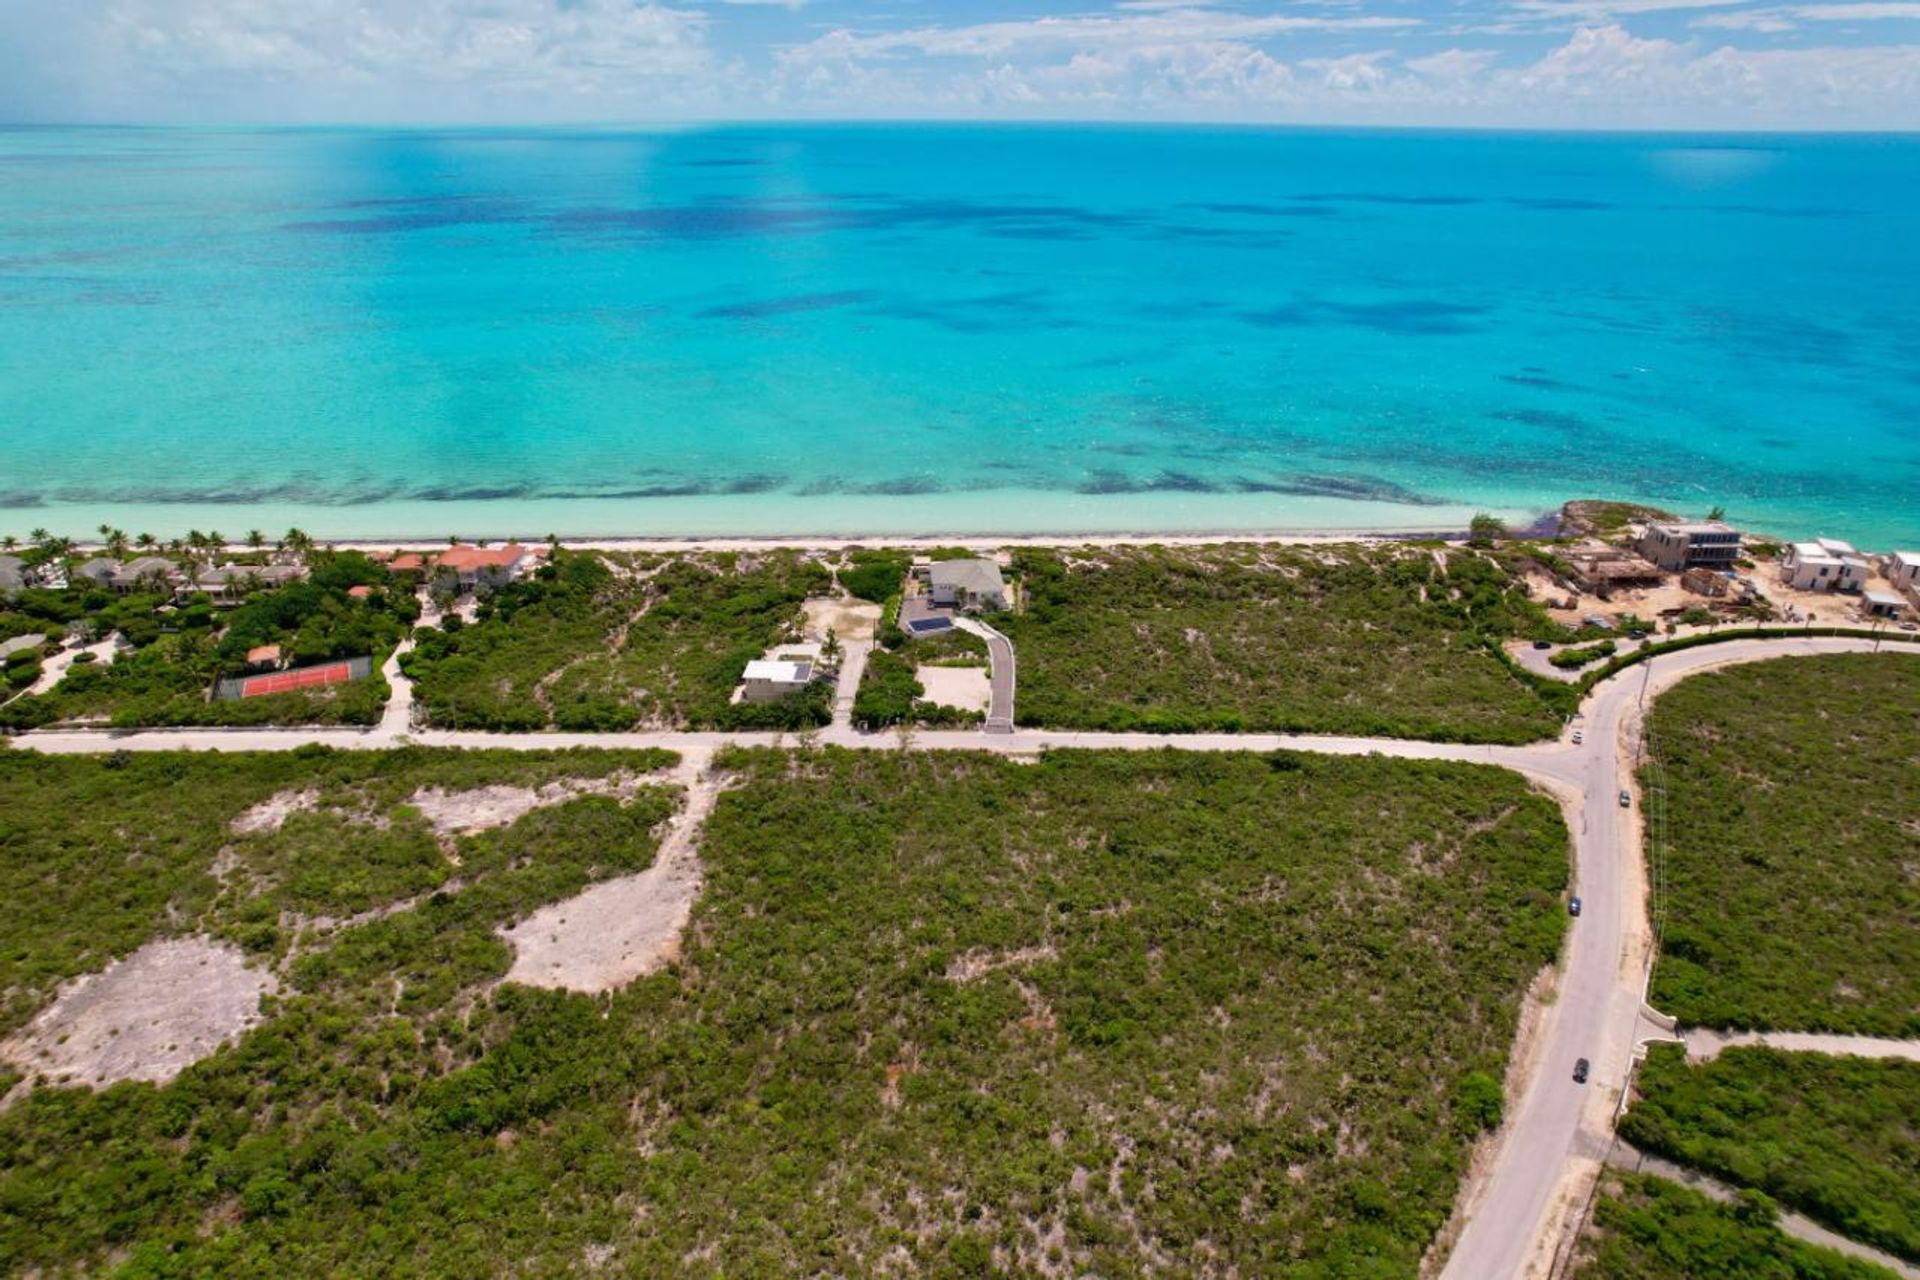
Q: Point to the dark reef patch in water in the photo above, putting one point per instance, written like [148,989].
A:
[1236,209]
[1546,419]
[789,305]
[1388,198]
[1415,316]
[1537,381]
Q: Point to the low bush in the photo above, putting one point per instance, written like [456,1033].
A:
[1646,1228]
[1832,1137]
[1788,843]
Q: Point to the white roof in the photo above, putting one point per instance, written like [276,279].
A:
[1813,551]
[1836,546]
[1887,598]
[1691,527]
[778,672]
[1910,559]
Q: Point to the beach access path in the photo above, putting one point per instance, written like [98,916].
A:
[1550,1149]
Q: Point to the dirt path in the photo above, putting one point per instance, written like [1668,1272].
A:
[1703,1045]
[1630,1158]
[622,929]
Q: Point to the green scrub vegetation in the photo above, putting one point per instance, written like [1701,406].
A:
[650,642]
[1836,1138]
[1646,1228]
[1789,810]
[944,1013]
[99,854]
[1390,641]
[180,653]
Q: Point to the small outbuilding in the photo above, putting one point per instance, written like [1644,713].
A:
[1884,604]
[266,657]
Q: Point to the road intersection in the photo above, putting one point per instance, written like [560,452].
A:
[1556,1132]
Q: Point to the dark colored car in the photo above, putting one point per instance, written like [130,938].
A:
[1573,906]
[1543,644]
[1626,799]
[1580,1071]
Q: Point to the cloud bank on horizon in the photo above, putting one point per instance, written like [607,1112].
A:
[1843,64]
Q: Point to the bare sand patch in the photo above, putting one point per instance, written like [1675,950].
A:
[973,965]
[146,1017]
[848,618]
[272,813]
[484,808]
[619,930]
[964,688]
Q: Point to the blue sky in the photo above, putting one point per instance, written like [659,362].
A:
[1758,64]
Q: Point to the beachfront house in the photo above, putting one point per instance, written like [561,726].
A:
[229,583]
[1675,547]
[971,586]
[769,680]
[1902,569]
[492,567]
[105,571]
[1825,564]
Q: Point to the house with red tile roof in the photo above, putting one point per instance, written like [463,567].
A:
[494,566]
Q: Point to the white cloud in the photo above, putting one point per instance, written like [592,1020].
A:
[542,60]
[1789,17]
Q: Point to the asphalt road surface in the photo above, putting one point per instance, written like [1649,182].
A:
[1557,1131]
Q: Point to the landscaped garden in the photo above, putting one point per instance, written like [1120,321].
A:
[175,654]
[1787,844]
[599,642]
[1398,641]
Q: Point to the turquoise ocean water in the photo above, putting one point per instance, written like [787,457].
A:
[931,329]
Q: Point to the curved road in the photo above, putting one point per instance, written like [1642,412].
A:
[1557,1132]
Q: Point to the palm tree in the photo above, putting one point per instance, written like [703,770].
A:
[9,542]
[145,541]
[256,539]
[297,542]
[105,531]
[39,537]
[116,542]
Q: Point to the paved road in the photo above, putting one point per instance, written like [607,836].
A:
[1557,1132]
[1001,662]
[853,663]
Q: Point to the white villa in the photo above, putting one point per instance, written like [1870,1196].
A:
[969,585]
[1825,564]
[769,680]
[1902,569]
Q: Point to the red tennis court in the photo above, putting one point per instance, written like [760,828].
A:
[304,678]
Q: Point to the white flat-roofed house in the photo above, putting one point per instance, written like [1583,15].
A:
[1708,544]
[967,584]
[1902,569]
[1816,566]
[1884,604]
[769,680]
